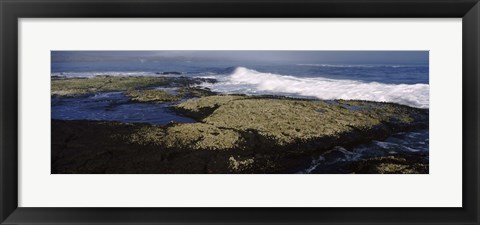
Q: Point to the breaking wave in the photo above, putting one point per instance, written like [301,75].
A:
[247,81]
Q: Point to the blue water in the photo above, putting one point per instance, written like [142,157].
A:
[382,73]
[414,143]
[402,84]
[113,106]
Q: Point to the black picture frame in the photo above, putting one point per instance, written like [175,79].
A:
[12,10]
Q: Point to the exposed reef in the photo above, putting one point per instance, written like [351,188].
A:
[287,122]
[234,134]
[398,164]
[68,87]
[152,96]
[159,95]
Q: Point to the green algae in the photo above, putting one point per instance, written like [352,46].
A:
[159,95]
[197,105]
[147,136]
[152,96]
[199,136]
[194,136]
[202,107]
[397,164]
[287,121]
[240,165]
[137,133]
[79,86]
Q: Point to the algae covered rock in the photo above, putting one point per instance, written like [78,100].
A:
[282,132]
[240,165]
[201,136]
[400,164]
[236,134]
[145,135]
[79,86]
[202,107]
[152,96]
[163,95]
[290,121]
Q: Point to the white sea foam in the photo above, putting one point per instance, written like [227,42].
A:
[104,95]
[313,165]
[385,145]
[248,81]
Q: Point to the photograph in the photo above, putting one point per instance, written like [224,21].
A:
[239,112]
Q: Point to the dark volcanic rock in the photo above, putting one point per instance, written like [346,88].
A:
[399,164]
[86,147]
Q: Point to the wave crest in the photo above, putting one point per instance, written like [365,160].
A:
[244,80]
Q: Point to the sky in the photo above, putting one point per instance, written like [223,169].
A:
[336,57]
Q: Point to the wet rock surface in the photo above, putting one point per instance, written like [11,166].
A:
[398,164]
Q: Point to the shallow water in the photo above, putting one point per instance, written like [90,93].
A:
[113,106]
[338,159]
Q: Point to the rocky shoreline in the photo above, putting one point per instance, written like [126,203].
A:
[233,133]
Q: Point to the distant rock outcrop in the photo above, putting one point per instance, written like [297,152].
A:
[171,73]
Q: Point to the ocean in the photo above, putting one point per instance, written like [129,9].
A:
[406,84]
[403,84]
